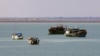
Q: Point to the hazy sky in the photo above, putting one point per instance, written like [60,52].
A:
[49,8]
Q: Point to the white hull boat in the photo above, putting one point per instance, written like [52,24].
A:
[17,36]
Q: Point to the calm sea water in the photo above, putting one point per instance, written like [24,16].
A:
[50,45]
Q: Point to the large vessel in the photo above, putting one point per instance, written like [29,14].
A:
[59,29]
[76,32]
[17,36]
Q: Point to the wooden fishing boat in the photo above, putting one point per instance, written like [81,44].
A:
[59,29]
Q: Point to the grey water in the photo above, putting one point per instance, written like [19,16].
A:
[50,45]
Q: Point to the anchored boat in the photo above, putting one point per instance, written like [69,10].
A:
[59,29]
[17,36]
[33,40]
[76,32]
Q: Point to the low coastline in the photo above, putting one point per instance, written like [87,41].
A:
[49,21]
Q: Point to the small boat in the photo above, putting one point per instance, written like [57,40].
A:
[33,40]
[17,36]
[76,32]
[59,29]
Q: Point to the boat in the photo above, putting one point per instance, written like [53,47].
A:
[17,36]
[59,29]
[75,32]
[33,40]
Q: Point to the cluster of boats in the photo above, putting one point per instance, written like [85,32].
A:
[70,32]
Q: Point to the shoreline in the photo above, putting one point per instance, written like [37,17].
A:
[49,21]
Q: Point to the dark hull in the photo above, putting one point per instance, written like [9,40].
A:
[33,41]
[57,32]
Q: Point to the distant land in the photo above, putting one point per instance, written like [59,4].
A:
[50,19]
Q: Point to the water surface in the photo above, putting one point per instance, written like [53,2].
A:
[50,45]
